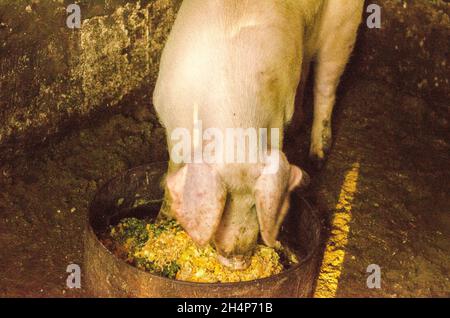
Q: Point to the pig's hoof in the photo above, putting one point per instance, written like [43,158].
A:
[317,161]
[235,263]
[318,154]
[321,141]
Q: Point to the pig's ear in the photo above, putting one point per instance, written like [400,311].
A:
[298,178]
[272,199]
[198,199]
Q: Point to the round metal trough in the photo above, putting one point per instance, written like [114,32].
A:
[138,193]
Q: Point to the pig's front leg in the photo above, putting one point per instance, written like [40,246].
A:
[165,212]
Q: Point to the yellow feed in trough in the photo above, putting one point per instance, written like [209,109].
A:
[166,249]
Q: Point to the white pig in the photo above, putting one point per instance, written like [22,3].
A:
[239,63]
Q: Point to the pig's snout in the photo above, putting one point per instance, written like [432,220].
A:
[219,207]
[240,262]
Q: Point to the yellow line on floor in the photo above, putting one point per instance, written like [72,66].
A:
[333,259]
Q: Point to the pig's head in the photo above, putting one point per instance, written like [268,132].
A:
[231,204]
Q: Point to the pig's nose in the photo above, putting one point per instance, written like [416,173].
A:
[239,262]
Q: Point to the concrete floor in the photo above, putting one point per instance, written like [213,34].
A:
[400,212]
[400,216]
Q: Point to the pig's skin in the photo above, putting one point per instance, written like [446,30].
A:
[240,62]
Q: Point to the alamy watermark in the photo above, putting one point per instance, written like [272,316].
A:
[229,145]
[73,20]
[374,19]
[74,278]
[374,279]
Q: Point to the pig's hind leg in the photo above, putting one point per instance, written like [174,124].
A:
[336,44]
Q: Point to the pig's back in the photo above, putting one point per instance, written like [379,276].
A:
[238,61]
